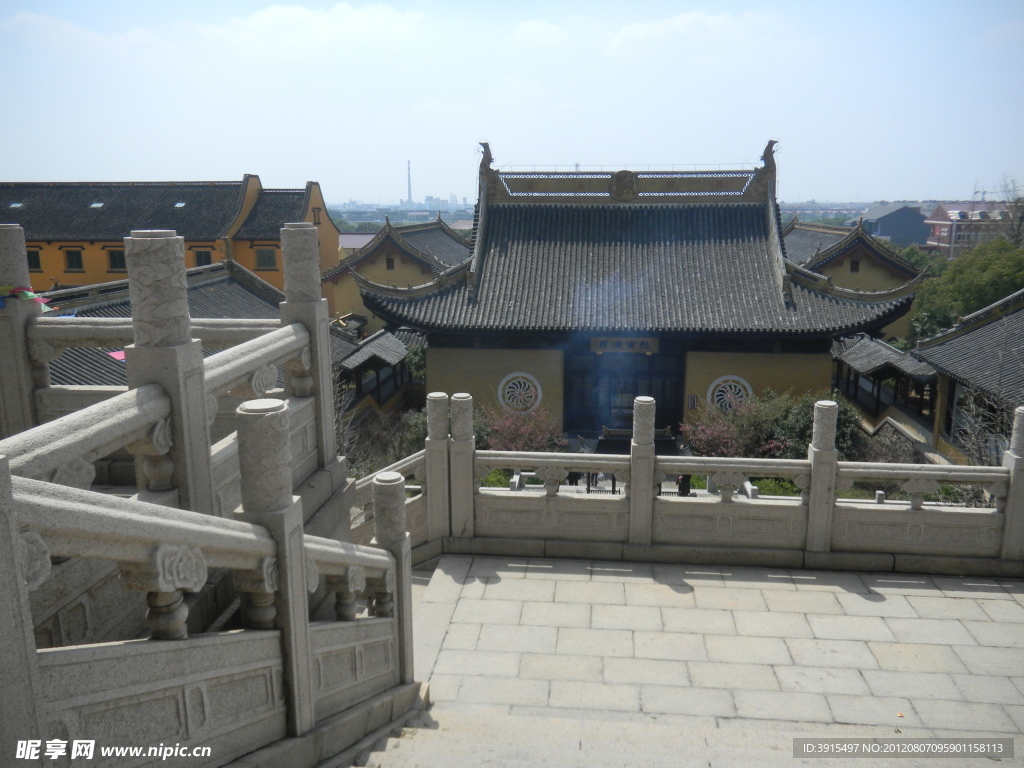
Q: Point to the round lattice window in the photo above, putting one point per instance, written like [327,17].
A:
[729,392]
[520,392]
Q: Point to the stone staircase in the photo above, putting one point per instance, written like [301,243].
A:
[471,737]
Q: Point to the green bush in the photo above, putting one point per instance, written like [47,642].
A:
[773,426]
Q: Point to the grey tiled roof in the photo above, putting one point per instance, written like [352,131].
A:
[412,339]
[225,290]
[803,242]
[650,267]
[867,356]
[434,245]
[64,210]
[272,210]
[438,243]
[382,345]
[986,351]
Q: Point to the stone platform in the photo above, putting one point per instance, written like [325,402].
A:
[703,649]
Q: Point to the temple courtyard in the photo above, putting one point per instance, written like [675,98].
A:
[611,663]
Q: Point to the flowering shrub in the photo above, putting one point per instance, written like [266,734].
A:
[772,426]
[506,430]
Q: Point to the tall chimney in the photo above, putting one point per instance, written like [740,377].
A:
[408,168]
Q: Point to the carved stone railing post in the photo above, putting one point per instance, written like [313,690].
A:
[436,460]
[461,459]
[264,458]
[17,403]
[1013,460]
[824,460]
[19,673]
[641,471]
[304,303]
[390,534]
[165,353]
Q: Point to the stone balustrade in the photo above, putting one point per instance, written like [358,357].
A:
[254,363]
[167,553]
[61,451]
[819,528]
[49,336]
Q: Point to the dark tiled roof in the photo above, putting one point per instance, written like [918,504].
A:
[802,241]
[434,245]
[412,339]
[272,210]
[814,246]
[341,345]
[666,267]
[225,290]
[438,243]
[986,351]
[382,345]
[868,356]
[64,210]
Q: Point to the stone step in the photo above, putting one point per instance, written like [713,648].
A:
[456,738]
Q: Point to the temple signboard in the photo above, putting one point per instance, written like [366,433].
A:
[643,345]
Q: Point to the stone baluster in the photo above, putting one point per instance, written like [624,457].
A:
[641,472]
[462,457]
[264,458]
[347,588]
[824,460]
[165,353]
[17,403]
[19,672]
[169,572]
[436,459]
[304,303]
[394,595]
[1013,510]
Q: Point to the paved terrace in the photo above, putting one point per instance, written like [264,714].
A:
[803,652]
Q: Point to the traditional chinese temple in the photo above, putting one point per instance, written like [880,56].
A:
[587,289]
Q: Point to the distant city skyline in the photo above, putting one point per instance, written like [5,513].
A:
[910,100]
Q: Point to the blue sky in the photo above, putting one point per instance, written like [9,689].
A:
[869,100]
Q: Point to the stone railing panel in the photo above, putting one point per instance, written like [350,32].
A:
[766,523]
[352,661]
[223,691]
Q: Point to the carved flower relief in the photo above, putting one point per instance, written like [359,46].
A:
[170,568]
[312,576]
[42,351]
[263,379]
[520,392]
[729,392]
[34,558]
[181,567]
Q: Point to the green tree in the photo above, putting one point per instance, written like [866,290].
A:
[933,261]
[984,275]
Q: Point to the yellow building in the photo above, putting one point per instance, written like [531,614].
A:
[74,230]
[853,259]
[397,257]
[256,244]
[585,290]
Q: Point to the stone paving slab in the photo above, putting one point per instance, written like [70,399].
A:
[725,647]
